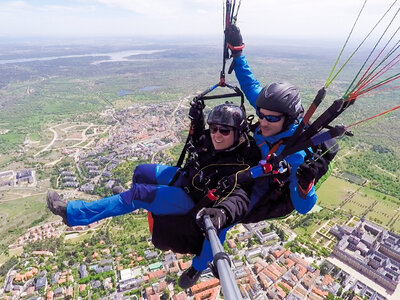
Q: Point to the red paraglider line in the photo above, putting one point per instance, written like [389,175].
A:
[370,118]
[386,68]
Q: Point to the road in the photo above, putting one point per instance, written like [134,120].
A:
[55,137]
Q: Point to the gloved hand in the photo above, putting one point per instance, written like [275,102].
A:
[196,112]
[234,40]
[218,217]
[306,174]
[321,164]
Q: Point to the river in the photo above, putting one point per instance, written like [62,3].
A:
[112,56]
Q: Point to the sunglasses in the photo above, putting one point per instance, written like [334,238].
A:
[269,118]
[225,131]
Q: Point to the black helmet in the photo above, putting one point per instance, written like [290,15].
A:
[281,97]
[228,114]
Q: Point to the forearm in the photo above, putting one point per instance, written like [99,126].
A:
[249,85]
[236,206]
[303,202]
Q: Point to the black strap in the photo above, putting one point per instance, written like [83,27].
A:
[183,153]
[213,265]
[312,136]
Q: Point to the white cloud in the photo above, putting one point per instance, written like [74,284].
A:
[148,8]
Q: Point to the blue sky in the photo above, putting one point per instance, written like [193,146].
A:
[120,18]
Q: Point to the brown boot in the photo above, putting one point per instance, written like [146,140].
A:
[189,278]
[57,205]
[117,190]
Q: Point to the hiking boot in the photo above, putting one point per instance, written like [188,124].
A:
[189,278]
[57,205]
[117,190]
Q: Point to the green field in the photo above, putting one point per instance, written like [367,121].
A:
[16,216]
[377,207]
[333,191]
[383,212]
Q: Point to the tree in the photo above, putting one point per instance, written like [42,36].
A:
[330,297]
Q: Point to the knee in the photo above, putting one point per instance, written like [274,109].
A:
[143,173]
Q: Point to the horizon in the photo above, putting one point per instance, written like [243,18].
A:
[286,19]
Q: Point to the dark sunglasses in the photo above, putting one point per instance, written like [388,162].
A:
[225,131]
[269,118]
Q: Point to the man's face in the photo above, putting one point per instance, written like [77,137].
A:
[222,137]
[269,128]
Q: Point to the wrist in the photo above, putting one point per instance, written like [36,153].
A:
[305,189]
[236,54]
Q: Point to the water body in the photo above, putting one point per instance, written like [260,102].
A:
[112,56]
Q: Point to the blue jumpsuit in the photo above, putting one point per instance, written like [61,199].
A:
[303,204]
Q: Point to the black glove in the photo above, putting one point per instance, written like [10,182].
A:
[306,174]
[234,40]
[196,112]
[321,164]
[217,216]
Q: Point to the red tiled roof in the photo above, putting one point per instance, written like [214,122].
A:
[287,253]
[278,253]
[157,274]
[286,285]
[162,286]
[327,280]
[280,291]
[50,295]
[184,265]
[314,296]
[302,271]
[320,292]
[299,291]
[149,291]
[289,263]
[263,280]
[271,275]
[204,285]
[210,294]
[154,297]
[231,243]
[180,296]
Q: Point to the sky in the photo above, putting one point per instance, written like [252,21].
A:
[128,18]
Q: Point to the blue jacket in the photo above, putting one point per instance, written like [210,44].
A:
[251,88]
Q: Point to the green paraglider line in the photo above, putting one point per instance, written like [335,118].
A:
[313,134]
[369,78]
[330,80]
[365,79]
[349,91]
[379,84]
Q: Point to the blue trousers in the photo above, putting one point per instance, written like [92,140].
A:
[150,190]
